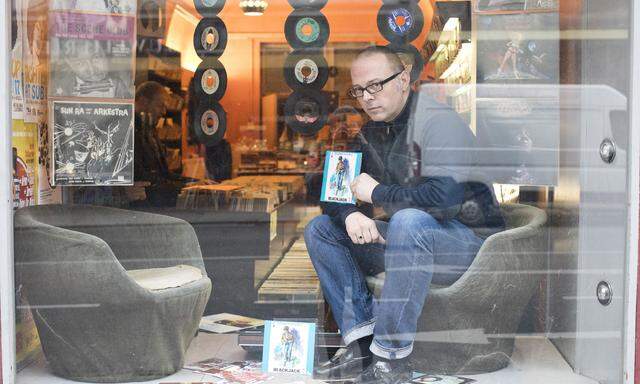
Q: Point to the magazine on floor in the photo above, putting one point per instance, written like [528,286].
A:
[243,372]
[340,168]
[288,347]
[227,323]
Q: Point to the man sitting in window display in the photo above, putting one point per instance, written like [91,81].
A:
[438,221]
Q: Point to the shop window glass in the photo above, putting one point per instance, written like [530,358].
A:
[439,187]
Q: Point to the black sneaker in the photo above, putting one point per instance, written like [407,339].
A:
[386,372]
[345,365]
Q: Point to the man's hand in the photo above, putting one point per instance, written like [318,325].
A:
[362,230]
[362,187]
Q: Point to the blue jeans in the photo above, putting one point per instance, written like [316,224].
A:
[419,250]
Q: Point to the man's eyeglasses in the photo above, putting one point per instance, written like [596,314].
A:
[358,91]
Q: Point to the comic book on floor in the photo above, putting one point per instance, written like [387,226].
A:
[227,323]
[242,372]
[340,169]
[288,347]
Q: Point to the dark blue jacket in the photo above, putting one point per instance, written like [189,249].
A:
[425,159]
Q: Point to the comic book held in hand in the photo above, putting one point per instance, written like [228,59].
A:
[340,168]
[288,347]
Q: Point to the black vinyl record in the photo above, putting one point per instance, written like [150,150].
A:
[209,8]
[210,37]
[209,122]
[400,23]
[306,69]
[210,79]
[409,55]
[306,28]
[312,4]
[306,111]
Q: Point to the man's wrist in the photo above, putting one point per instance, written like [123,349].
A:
[378,194]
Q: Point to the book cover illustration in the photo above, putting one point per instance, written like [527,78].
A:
[340,169]
[92,143]
[288,347]
[92,55]
[228,322]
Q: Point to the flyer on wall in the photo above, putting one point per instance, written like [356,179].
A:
[92,143]
[17,97]
[92,55]
[34,59]
[340,168]
[288,347]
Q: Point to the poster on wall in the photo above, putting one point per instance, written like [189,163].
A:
[91,55]
[17,97]
[515,5]
[92,143]
[47,194]
[102,6]
[518,53]
[34,59]
[24,163]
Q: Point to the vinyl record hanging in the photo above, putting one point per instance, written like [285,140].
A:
[306,111]
[409,55]
[306,28]
[306,69]
[311,4]
[209,122]
[400,23]
[210,79]
[209,8]
[210,37]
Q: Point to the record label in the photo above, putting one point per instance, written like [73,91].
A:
[210,81]
[400,24]
[306,111]
[210,37]
[306,71]
[209,122]
[307,30]
[400,21]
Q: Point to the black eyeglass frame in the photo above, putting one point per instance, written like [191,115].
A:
[371,88]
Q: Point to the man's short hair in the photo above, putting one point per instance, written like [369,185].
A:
[392,58]
[150,90]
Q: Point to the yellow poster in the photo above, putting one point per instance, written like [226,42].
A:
[24,144]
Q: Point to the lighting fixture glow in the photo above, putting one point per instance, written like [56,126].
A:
[253,7]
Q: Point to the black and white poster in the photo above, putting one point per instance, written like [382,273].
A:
[91,55]
[92,143]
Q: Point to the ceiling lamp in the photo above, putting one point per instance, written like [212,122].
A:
[253,7]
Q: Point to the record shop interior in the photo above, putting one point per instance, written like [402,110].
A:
[220,113]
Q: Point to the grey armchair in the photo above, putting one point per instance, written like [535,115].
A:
[469,327]
[81,267]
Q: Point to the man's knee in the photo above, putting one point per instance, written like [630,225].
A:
[412,221]
[319,229]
